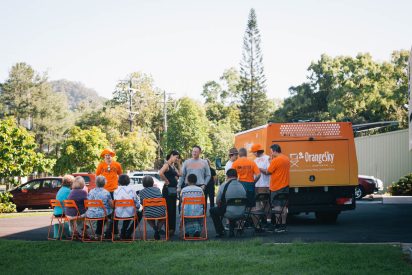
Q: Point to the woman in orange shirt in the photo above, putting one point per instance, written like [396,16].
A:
[110,169]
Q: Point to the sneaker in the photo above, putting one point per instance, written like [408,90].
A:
[116,237]
[97,237]
[157,235]
[281,228]
[270,228]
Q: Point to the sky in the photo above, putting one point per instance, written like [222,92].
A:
[184,44]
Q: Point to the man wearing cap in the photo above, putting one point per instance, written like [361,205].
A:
[233,153]
[262,185]
[110,169]
[247,170]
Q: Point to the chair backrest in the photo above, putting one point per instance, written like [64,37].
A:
[55,203]
[237,202]
[154,202]
[71,204]
[123,203]
[95,204]
[262,196]
[194,201]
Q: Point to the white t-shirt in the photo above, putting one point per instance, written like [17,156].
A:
[263,162]
[228,165]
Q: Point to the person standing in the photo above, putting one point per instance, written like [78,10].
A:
[210,187]
[170,174]
[110,169]
[233,154]
[279,169]
[196,166]
[262,185]
[247,170]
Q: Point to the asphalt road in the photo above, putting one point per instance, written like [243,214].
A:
[371,222]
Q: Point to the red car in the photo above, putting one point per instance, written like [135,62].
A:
[37,193]
[367,185]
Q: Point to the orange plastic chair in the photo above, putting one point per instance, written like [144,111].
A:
[124,203]
[93,204]
[155,202]
[71,204]
[193,201]
[53,204]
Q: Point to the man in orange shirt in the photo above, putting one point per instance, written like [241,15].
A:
[110,169]
[279,169]
[247,170]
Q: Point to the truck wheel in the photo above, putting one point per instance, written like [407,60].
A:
[20,209]
[359,193]
[327,217]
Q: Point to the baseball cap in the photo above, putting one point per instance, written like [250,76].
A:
[256,147]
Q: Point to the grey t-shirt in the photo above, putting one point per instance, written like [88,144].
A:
[234,191]
[199,167]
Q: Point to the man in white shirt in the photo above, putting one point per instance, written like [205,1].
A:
[262,185]
[233,154]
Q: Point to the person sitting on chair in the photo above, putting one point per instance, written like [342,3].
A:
[231,189]
[193,227]
[99,193]
[151,192]
[62,195]
[125,192]
[78,195]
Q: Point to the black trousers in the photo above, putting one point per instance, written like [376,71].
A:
[171,211]
[217,214]
[210,192]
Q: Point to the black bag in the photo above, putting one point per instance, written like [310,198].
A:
[223,205]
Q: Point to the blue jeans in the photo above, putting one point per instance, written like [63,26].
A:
[250,193]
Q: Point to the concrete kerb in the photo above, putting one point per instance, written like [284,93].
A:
[386,199]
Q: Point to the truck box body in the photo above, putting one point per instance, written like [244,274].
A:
[323,164]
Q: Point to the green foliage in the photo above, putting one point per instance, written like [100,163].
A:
[254,106]
[345,88]
[188,126]
[403,187]
[18,155]
[6,206]
[223,139]
[136,151]
[81,150]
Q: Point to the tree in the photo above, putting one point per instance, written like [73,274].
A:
[18,155]
[188,126]
[254,108]
[81,150]
[136,151]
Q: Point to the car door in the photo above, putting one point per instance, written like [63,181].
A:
[48,191]
[29,193]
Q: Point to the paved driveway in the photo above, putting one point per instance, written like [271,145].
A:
[371,222]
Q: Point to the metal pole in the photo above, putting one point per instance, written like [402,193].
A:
[130,106]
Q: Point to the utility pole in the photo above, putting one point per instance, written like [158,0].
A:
[129,93]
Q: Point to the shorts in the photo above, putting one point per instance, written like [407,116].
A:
[277,202]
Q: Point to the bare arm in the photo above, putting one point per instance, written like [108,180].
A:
[162,171]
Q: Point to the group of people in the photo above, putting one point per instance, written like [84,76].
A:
[195,178]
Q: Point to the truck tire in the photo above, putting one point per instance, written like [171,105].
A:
[359,192]
[20,209]
[327,217]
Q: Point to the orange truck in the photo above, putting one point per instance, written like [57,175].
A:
[323,164]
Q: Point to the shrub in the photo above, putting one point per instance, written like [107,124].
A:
[403,187]
[6,206]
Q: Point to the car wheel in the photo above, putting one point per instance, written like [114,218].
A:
[20,209]
[327,217]
[359,193]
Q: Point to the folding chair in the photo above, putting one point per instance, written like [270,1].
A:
[155,202]
[284,200]
[193,201]
[260,214]
[73,219]
[53,204]
[240,221]
[93,204]
[124,203]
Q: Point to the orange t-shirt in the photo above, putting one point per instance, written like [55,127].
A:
[280,172]
[246,169]
[111,175]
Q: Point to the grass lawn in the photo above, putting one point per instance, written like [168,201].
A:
[213,257]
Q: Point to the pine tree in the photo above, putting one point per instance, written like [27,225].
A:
[254,105]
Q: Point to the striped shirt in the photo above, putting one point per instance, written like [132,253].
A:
[151,193]
[125,193]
